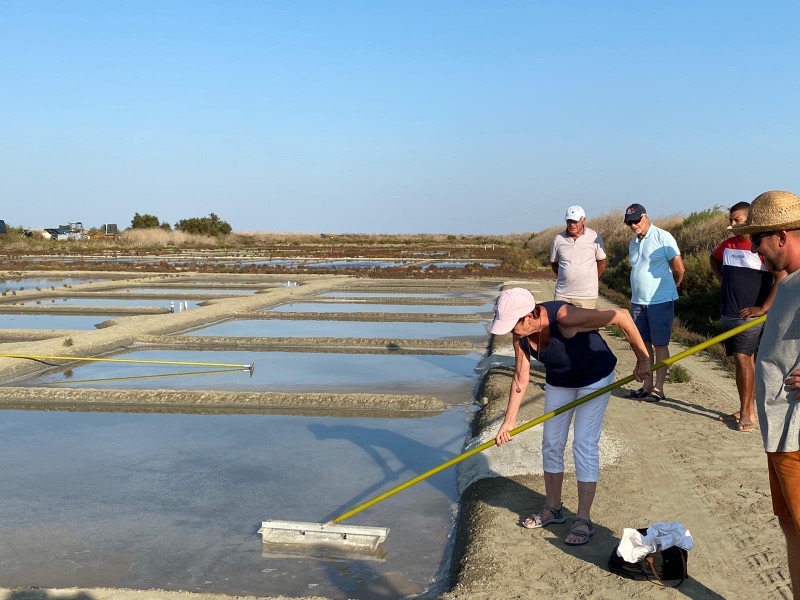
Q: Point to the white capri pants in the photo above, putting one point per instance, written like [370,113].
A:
[588,427]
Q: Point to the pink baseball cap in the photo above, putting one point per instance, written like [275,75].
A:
[512,305]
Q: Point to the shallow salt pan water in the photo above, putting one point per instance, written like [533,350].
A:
[174,501]
[356,307]
[189,290]
[81,322]
[476,332]
[31,283]
[84,301]
[450,377]
[357,264]
[474,295]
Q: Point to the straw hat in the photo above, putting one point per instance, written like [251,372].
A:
[772,211]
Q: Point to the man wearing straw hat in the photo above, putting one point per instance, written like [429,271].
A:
[774,229]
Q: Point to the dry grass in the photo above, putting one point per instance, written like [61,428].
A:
[345,239]
[704,236]
[156,237]
[539,243]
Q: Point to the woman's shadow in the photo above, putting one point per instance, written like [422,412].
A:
[416,458]
[43,595]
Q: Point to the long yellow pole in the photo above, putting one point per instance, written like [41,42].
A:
[129,360]
[544,417]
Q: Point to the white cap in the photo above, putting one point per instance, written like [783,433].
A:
[574,213]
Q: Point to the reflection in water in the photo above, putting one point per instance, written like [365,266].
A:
[80,322]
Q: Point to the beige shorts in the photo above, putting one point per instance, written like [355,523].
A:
[582,302]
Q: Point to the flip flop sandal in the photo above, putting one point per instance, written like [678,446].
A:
[743,427]
[558,517]
[584,535]
[654,396]
[731,418]
[640,393]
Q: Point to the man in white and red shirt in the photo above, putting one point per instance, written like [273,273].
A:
[747,290]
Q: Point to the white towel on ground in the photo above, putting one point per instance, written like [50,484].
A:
[662,535]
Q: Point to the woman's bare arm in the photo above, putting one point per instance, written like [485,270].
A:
[519,385]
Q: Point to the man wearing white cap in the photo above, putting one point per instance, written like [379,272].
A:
[578,257]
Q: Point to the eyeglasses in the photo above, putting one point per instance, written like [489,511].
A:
[636,222]
[755,238]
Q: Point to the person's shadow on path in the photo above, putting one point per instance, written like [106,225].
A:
[44,595]
[416,457]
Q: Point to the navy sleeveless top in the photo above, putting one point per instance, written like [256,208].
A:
[575,362]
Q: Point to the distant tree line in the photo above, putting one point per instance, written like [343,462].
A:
[211,225]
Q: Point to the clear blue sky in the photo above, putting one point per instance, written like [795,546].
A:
[432,116]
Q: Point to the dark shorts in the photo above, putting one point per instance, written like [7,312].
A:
[742,343]
[784,485]
[654,321]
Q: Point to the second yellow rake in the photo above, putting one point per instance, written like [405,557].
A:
[250,367]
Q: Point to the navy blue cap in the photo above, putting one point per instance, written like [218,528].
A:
[634,212]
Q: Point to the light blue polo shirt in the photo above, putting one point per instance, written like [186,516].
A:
[651,275]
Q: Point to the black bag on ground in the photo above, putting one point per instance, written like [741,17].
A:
[658,566]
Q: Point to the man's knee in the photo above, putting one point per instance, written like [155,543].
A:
[789,528]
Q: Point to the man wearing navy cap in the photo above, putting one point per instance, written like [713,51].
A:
[656,272]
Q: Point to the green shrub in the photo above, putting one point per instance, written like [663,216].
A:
[617,278]
[210,225]
[708,214]
[144,221]
[678,374]
[516,258]
[698,305]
